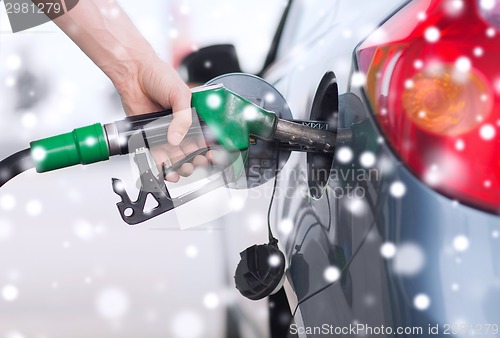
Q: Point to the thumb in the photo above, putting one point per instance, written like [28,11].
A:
[165,86]
[182,116]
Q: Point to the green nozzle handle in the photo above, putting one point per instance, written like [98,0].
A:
[81,146]
[233,118]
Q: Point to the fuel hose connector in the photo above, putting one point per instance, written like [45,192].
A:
[81,146]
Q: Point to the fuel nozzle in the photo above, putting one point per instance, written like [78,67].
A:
[231,118]
[234,119]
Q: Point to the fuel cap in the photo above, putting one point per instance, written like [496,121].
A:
[260,272]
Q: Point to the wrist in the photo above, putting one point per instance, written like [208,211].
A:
[125,67]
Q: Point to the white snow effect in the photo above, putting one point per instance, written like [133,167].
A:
[409,259]
[34,208]
[487,5]
[250,112]
[487,184]
[14,334]
[184,9]
[13,62]
[397,189]
[455,287]
[66,106]
[5,230]
[120,186]
[460,145]
[409,84]
[344,155]
[457,4]
[10,81]
[346,33]
[256,222]
[173,33]
[274,260]
[187,324]
[285,226]
[7,202]
[112,303]
[367,159]
[357,206]
[433,175]
[454,7]
[421,301]
[421,16]
[432,34]
[191,251]
[237,203]
[388,250]
[478,52]
[66,245]
[418,64]
[207,64]
[461,243]
[369,300]
[379,36]
[38,154]
[490,32]
[114,12]
[10,293]
[84,230]
[270,97]
[211,300]
[487,132]
[385,165]
[331,274]
[90,141]
[495,234]
[358,79]
[29,120]
[463,64]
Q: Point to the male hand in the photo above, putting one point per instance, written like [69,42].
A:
[155,87]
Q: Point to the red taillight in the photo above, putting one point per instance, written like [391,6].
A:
[433,81]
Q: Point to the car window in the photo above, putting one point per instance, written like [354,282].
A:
[307,19]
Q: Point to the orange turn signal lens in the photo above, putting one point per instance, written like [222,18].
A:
[447,101]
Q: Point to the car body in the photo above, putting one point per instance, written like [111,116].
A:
[403,254]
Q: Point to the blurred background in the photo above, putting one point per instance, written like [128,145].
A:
[69,266]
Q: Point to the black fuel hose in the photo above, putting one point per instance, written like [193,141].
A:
[15,165]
